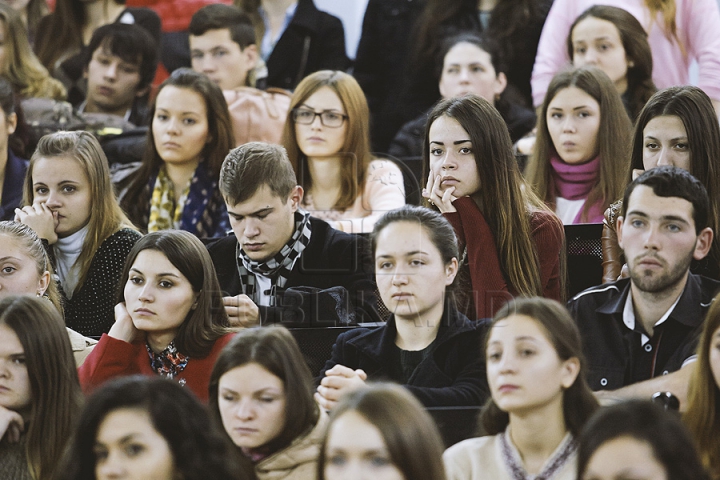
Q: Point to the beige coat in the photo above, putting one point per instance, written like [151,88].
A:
[81,346]
[299,460]
[481,459]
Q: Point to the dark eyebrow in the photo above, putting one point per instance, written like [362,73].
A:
[666,218]
[456,142]
[257,213]
[163,274]
[674,139]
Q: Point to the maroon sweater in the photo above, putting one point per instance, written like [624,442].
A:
[491,289]
[112,358]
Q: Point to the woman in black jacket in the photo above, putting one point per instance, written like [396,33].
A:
[426,345]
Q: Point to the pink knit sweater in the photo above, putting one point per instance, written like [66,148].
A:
[697,23]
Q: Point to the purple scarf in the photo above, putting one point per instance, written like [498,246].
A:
[574,182]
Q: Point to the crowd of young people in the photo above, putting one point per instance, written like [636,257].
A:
[144,307]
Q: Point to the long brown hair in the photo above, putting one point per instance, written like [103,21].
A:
[206,322]
[579,402]
[23,69]
[634,38]
[106,217]
[136,200]
[504,199]
[275,349]
[668,9]
[613,138]
[356,148]
[694,108]
[410,434]
[703,413]
[55,392]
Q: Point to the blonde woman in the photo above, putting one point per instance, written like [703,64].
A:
[19,64]
[70,203]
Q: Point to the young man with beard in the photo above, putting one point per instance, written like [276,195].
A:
[640,334]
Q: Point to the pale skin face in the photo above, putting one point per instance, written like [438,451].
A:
[597,42]
[665,142]
[158,297]
[453,171]
[468,69]
[112,83]
[715,357]
[573,121]
[180,126]
[15,392]
[356,450]
[252,405]
[18,272]
[524,371]
[262,224]
[215,54]
[659,240]
[624,458]
[61,196]
[128,447]
[316,140]
[410,273]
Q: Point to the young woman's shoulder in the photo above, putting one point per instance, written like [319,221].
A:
[384,169]
[124,237]
[474,458]
[299,460]
[547,221]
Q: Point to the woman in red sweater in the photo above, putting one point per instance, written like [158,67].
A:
[170,320]
[513,243]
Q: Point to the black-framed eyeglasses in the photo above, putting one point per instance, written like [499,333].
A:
[328,118]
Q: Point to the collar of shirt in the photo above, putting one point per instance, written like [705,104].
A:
[629,317]
[81,109]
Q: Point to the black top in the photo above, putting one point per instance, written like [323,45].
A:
[313,40]
[91,310]
[331,259]
[615,353]
[12,191]
[452,373]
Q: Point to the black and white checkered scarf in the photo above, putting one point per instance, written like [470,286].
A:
[279,266]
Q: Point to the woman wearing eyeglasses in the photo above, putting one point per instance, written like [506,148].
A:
[328,143]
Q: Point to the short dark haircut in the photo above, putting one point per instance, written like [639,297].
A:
[641,420]
[275,349]
[199,451]
[219,16]
[250,166]
[669,181]
[132,43]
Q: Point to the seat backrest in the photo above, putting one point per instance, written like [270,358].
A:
[316,344]
[583,246]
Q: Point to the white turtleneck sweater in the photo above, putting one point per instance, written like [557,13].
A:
[67,250]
